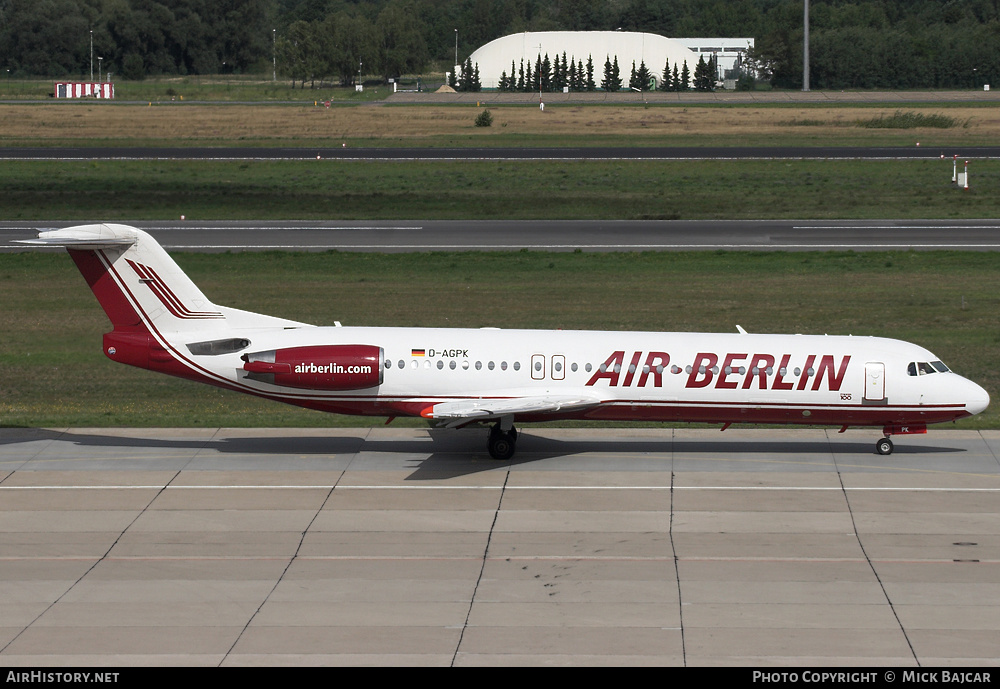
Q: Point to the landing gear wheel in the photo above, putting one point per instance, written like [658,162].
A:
[884,446]
[501,444]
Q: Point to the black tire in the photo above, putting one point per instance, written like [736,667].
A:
[501,445]
[884,446]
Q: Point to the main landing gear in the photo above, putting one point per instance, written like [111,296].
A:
[501,443]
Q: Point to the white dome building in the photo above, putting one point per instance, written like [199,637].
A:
[495,57]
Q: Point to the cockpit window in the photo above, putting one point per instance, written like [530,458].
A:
[923,368]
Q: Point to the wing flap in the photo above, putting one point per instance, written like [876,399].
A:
[466,411]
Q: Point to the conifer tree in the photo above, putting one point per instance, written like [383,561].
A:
[590,85]
[664,82]
[643,77]
[606,81]
[675,81]
[685,77]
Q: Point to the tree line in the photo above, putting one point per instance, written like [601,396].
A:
[558,74]
[854,43]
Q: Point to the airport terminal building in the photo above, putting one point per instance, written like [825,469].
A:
[496,57]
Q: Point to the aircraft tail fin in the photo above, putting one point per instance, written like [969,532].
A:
[140,286]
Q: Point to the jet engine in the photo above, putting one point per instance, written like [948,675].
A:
[318,367]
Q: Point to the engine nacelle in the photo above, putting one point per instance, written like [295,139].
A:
[319,367]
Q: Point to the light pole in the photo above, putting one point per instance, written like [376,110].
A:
[274,58]
[91,54]
[805,47]
[456,50]
[99,68]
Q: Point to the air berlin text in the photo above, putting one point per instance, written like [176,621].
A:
[729,371]
[331,368]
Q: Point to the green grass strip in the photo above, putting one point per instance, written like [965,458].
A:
[328,189]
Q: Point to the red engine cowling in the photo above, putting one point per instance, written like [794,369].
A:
[320,367]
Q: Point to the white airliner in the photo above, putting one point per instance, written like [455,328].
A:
[458,377]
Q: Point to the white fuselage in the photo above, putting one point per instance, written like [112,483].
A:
[636,375]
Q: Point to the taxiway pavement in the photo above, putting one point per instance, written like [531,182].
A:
[408,547]
[549,235]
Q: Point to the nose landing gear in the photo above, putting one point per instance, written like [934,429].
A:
[884,446]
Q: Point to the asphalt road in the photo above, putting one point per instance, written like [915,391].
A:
[553,235]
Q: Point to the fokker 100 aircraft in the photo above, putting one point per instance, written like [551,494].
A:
[457,377]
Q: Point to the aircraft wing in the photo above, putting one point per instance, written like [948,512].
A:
[468,411]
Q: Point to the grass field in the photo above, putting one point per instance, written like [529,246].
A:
[53,373]
[329,189]
[109,123]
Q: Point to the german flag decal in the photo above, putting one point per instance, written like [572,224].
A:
[416,352]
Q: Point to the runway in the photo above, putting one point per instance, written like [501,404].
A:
[552,235]
[393,546]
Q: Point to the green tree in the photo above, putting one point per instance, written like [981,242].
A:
[703,76]
[401,45]
[297,51]
[355,48]
[643,77]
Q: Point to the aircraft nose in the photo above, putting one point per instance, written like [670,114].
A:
[976,399]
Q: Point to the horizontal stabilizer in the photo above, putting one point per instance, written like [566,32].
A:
[85,237]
